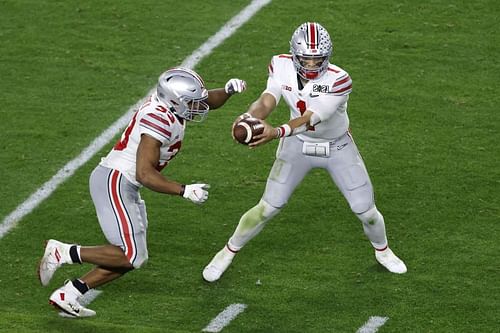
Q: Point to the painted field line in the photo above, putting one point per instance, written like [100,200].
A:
[373,324]
[85,300]
[42,193]
[224,318]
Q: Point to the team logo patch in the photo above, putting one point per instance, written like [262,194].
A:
[285,87]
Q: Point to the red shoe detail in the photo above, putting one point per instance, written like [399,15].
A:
[58,256]
[61,295]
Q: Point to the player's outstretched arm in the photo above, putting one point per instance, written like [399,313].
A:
[263,106]
[293,127]
[217,97]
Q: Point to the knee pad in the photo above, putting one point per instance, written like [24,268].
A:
[260,213]
[267,210]
[371,216]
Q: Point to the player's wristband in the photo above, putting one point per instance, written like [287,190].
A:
[183,189]
[283,130]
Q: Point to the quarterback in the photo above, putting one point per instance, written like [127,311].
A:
[317,136]
[151,140]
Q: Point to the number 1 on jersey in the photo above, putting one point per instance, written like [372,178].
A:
[301,106]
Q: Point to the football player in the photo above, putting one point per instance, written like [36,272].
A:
[151,140]
[317,136]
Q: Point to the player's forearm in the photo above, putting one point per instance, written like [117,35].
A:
[155,181]
[217,98]
[259,110]
[294,126]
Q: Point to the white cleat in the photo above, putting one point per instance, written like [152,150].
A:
[66,299]
[214,270]
[388,259]
[56,254]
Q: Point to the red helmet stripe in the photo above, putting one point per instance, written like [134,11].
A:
[312,35]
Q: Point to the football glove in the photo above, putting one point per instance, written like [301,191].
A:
[197,193]
[234,86]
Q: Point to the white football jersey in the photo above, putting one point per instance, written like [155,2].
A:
[327,97]
[154,119]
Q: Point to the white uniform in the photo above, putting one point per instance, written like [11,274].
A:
[326,145]
[154,119]
[114,188]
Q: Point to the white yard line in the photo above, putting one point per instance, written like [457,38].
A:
[42,193]
[372,325]
[224,318]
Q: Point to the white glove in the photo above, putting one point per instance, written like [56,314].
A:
[196,193]
[234,86]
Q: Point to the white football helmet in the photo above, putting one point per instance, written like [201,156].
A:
[311,41]
[184,93]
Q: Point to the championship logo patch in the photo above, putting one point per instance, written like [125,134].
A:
[321,88]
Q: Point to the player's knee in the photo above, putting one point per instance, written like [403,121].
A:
[257,215]
[361,207]
[370,216]
[267,210]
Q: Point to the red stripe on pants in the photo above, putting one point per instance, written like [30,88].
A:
[122,217]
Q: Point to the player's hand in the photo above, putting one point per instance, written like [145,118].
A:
[197,193]
[267,135]
[234,86]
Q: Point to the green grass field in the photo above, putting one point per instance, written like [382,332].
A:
[424,113]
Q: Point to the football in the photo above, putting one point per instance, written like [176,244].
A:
[246,129]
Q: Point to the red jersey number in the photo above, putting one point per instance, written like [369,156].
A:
[174,149]
[122,143]
[301,106]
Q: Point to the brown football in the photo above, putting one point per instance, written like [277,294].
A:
[246,129]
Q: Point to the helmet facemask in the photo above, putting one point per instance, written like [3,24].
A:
[310,68]
[311,48]
[183,91]
[196,111]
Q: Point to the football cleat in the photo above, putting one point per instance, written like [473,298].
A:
[388,259]
[66,299]
[214,270]
[56,254]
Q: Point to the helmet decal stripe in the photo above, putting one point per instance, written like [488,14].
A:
[313,35]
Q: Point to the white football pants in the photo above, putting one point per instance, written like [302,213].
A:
[348,172]
[121,213]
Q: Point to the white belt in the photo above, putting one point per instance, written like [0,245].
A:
[319,149]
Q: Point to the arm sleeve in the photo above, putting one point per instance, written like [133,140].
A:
[335,101]
[324,108]
[273,86]
[342,85]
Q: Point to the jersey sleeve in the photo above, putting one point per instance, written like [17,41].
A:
[342,85]
[325,107]
[273,87]
[335,101]
[156,125]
